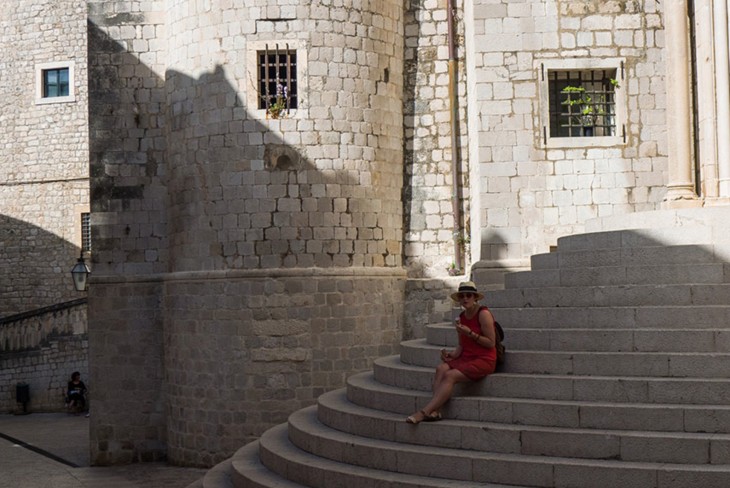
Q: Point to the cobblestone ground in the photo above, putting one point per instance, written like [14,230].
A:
[38,451]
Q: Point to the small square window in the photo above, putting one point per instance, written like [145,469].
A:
[277,80]
[55,82]
[582,103]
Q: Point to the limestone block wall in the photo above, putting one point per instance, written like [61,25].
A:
[531,192]
[246,349]
[42,350]
[46,371]
[127,152]
[44,159]
[428,188]
[212,245]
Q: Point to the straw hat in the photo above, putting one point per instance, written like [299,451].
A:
[467,287]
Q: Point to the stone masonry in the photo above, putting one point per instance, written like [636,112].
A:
[42,350]
[243,263]
[44,155]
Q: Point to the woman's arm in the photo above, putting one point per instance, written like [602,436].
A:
[486,324]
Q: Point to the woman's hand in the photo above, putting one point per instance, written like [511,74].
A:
[462,329]
[446,355]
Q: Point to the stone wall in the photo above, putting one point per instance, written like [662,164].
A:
[429,158]
[42,350]
[530,192]
[225,279]
[44,159]
[245,349]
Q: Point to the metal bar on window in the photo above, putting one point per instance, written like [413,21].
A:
[267,97]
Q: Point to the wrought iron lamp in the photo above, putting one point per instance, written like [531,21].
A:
[80,274]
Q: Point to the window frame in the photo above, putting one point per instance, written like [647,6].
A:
[252,77]
[545,67]
[85,232]
[41,69]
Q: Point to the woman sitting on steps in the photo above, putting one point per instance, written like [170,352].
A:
[474,358]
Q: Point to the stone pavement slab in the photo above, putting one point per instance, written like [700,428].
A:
[51,450]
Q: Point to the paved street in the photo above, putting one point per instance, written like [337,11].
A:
[40,450]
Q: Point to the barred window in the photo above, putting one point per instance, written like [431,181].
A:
[277,80]
[582,103]
[85,232]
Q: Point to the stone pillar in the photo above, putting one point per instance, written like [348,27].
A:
[680,185]
[722,73]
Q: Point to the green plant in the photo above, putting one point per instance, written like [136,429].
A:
[584,109]
[279,108]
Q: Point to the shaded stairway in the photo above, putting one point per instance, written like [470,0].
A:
[616,376]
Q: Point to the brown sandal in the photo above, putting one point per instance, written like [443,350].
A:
[412,419]
[434,417]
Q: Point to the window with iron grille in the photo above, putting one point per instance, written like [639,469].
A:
[85,232]
[277,80]
[582,103]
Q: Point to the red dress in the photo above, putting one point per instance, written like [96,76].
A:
[475,361]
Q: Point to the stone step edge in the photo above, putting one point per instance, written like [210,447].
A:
[219,476]
[500,438]
[641,389]
[435,348]
[570,260]
[395,362]
[455,463]
[675,364]
[248,471]
[611,295]
[336,401]
[276,448]
[364,390]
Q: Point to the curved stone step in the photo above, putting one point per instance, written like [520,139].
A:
[691,234]
[219,476]
[712,219]
[632,256]
[363,390]
[281,456]
[596,340]
[639,389]
[247,471]
[611,296]
[488,467]
[629,317]
[620,275]
[335,412]
[582,361]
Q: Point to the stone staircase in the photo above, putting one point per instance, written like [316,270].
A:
[617,375]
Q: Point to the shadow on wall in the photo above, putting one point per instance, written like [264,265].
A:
[35,267]
[184,181]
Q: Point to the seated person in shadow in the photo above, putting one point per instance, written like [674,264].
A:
[474,358]
[76,393]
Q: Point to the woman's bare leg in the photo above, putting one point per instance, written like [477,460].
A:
[443,387]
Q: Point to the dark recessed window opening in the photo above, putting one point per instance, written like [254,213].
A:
[85,232]
[582,103]
[55,83]
[277,79]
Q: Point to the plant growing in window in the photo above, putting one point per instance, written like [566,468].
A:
[585,108]
[279,108]
[582,103]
